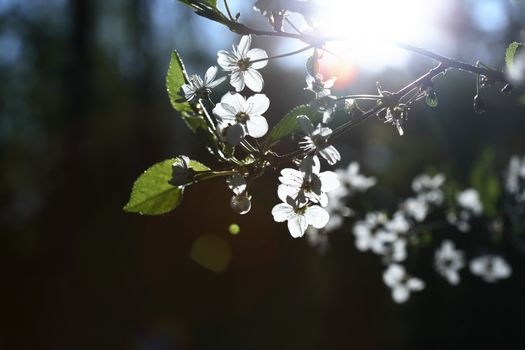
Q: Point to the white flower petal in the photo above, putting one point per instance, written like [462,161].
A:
[237,80]
[415,284]
[282,212]
[257,126]
[217,82]
[297,225]
[400,294]
[244,45]
[224,112]
[452,277]
[235,100]
[210,75]
[291,177]
[226,61]
[316,216]
[329,180]
[284,191]
[257,104]
[253,80]
[331,154]
[322,199]
[257,54]
[478,265]
[394,274]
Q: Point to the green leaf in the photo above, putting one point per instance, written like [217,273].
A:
[152,194]
[212,3]
[197,166]
[175,78]
[288,125]
[510,54]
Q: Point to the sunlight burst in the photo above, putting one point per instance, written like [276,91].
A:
[368,25]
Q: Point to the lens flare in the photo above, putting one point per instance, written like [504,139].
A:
[368,25]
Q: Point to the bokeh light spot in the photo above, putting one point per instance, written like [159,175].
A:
[212,253]
[234,229]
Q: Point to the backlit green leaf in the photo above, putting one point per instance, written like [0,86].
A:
[152,194]
[288,125]
[176,77]
[510,54]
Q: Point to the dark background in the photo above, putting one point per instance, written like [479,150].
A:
[83,111]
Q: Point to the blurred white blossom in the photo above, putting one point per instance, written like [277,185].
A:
[416,208]
[400,283]
[469,200]
[448,261]
[429,188]
[490,268]
[515,178]
[354,180]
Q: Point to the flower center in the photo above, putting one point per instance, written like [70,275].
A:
[319,141]
[244,64]
[242,117]
[307,186]
[301,210]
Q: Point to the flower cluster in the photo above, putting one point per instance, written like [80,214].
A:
[304,194]
[314,202]
[236,115]
[392,237]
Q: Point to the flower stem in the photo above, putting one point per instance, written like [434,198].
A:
[360,97]
[228,10]
[283,55]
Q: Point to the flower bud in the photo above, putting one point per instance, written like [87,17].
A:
[479,104]
[241,203]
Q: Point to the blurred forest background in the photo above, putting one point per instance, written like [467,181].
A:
[83,111]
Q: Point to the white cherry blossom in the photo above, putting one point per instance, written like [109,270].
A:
[308,183]
[299,216]
[316,139]
[319,86]
[469,199]
[198,88]
[242,63]
[515,178]
[429,188]
[354,180]
[417,208]
[448,261]
[490,268]
[239,117]
[400,283]
[325,105]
